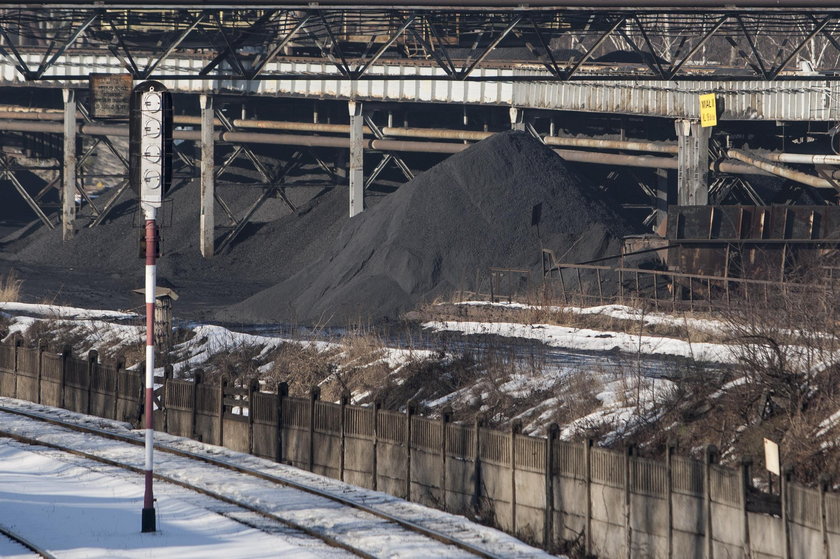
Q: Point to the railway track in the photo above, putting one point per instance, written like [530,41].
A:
[15,544]
[346,516]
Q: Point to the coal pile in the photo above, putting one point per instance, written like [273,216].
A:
[437,233]
[431,237]
[265,253]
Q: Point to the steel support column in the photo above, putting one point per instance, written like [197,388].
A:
[207,177]
[356,173]
[68,191]
[661,205]
[692,163]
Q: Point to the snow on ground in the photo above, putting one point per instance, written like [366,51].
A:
[619,312]
[94,510]
[591,340]
[77,509]
[55,311]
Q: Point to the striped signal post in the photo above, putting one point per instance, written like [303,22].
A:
[148,523]
[150,146]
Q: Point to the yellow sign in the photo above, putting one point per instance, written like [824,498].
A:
[708,110]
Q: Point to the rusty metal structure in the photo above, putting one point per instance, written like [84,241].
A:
[607,83]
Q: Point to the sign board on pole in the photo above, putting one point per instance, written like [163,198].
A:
[771,457]
[110,95]
[708,110]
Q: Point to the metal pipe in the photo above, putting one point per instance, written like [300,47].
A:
[778,170]
[432,133]
[630,145]
[646,161]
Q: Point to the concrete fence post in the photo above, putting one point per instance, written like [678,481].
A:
[587,478]
[377,405]
[548,523]
[409,412]
[66,354]
[253,389]
[18,342]
[825,483]
[515,428]
[168,375]
[669,496]
[220,411]
[628,528]
[710,458]
[476,498]
[119,367]
[314,395]
[744,485]
[92,366]
[345,399]
[784,489]
[42,349]
[198,378]
[282,394]
[445,418]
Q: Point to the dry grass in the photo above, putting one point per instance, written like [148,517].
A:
[10,288]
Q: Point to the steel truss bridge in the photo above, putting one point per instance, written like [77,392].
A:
[766,61]
[571,40]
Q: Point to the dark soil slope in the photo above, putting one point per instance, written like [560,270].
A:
[435,234]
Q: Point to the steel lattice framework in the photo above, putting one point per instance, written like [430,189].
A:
[572,41]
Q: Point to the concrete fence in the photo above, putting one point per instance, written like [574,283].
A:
[560,495]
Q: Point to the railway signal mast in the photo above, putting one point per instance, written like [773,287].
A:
[150,151]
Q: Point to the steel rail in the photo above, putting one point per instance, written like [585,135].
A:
[160,477]
[407,524]
[34,548]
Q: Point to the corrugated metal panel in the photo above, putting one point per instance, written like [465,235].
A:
[806,99]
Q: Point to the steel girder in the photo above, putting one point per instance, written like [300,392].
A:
[571,43]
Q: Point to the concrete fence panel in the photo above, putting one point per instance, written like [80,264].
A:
[805,521]
[496,483]
[103,391]
[77,374]
[28,375]
[130,386]
[392,453]
[52,379]
[207,413]
[460,468]
[832,523]
[327,443]
[530,487]
[427,467]
[359,464]
[265,425]
[607,502]
[726,512]
[649,518]
[178,395]
[766,536]
[8,364]
[295,431]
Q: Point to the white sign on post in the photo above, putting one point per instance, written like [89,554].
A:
[771,457]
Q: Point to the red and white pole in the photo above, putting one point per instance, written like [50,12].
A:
[148,522]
